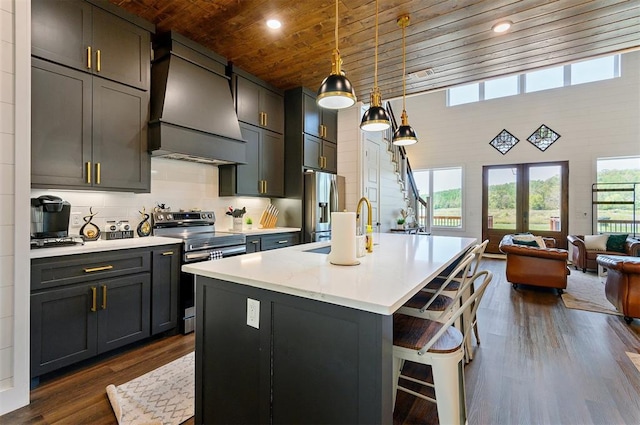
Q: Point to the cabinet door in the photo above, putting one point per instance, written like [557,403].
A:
[122,50]
[312,152]
[330,153]
[253,244]
[61,31]
[63,328]
[248,101]
[330,122]
[312,116]
[120,116]
[164,288]
[124,313]
[272,104]
[60,125]
[248,175]
[279,240]
[272,162]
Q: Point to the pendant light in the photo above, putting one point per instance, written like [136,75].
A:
[336,91]
[404,135]
[376,118]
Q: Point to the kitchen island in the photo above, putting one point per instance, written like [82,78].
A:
[284,336]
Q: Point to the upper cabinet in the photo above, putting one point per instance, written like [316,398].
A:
[319,122]
[260,109]
[89,98]
[77,34]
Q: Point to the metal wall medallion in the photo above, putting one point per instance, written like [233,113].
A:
[543,137]
[504,141]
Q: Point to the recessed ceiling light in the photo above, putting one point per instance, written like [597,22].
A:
[274,24]
[502,26]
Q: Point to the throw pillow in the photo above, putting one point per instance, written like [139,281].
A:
[526,243]
[616,243]
[596,242]
[528,237]
[540,241]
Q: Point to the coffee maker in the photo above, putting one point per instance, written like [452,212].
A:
[49,217]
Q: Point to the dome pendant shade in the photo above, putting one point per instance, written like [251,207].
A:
[376,117]
[404,135]
[336,92]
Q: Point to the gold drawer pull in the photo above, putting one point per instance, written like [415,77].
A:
[255,242]
[104,297]
[167,253]
[89,57]
[93,298]
[97,269]
[89,172]
[97,173]
[98,56]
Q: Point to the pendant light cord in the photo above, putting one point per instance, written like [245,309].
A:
[336,30]
[404,69]
[375,67]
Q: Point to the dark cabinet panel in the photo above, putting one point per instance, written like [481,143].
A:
[263,174]
[312,156]
[60,125]
[330,154]
[164,288]
[63,327]
[79,35]
[257,105]
[120,116]
[330,123]
[253,244]
[319,122]
[279,240]
[124,311]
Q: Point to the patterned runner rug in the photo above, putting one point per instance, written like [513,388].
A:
[164,396]
[585,291]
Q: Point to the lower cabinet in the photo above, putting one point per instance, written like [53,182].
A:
[257,243]
[75,323]
[87,304]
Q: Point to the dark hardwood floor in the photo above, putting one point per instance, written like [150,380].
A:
[539,363]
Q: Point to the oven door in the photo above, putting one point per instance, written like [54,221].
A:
[188,284]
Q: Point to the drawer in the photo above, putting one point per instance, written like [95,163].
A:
[72,269]
[253,244]
[279,240]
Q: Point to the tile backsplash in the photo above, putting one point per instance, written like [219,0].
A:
[177,184]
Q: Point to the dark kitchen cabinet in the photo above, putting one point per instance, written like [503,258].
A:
[320,154]
[165,274]
[257,104]
[319,122]
[260,111]
[78,322]
[253,244]
[87,132]
[257,243]
[104,40]
[87,304]
[263,174]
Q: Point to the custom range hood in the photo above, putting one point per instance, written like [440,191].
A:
[192,112]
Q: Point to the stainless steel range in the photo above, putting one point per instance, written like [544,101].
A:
[201,242]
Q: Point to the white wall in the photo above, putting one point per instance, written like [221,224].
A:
[14,182]
[595,120]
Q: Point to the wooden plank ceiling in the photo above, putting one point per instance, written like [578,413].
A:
[451,37]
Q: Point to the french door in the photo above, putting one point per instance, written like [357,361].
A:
[520,198]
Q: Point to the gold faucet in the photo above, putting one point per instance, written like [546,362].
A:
[369,235]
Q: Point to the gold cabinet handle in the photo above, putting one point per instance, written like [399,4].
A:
[88,172]
[281,242]
[265,119]
[93,298]
[97,269]
[323,131]
[265,186]
[104,297]
[88,57]
[98,57]
[255,242]
[167,253]
[97,173]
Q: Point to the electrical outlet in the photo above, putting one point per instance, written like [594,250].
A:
[253,313]
[76,219]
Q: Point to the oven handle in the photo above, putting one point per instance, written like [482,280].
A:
[228,251]
[200,256]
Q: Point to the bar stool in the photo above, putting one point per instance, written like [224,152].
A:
[440,346]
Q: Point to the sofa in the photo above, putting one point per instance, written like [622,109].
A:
[534,265]
[584,255]
[622,286]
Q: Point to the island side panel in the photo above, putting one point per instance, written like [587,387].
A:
[331,364]
[233,381]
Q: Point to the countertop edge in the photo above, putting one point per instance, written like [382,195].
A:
[102,246]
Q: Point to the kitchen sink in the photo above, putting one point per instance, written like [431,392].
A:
[321,250]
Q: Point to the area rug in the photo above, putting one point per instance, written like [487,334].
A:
[585,291]
[164,396]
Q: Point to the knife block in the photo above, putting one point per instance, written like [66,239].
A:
[269,217]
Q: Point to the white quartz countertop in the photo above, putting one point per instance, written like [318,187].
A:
[260,231]
[103,245]
[398,268]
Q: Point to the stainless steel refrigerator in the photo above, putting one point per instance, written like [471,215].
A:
[323,194]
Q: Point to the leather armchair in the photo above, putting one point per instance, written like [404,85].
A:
[584,258]
[536,266]
[622,287]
